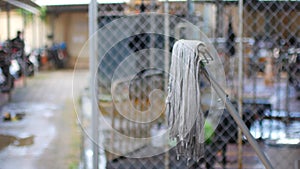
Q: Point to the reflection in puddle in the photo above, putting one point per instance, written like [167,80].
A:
[7,140]
[275,129]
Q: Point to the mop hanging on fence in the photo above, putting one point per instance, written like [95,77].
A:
[185,117]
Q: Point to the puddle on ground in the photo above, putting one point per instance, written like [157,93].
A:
[25,139]
[7,140]
[29,107]
[17,112]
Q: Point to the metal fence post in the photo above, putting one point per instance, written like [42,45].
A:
[93,69]
[240,82]
[166,60]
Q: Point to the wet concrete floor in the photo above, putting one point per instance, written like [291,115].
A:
[46,136]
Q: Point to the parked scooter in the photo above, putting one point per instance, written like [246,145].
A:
[20,64]
[6,79]
[294,68]
[30,67]
[287,55]
[57,54]
[16,65]
[35,58]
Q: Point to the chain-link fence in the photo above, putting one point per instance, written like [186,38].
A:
[134,57]
[272,76]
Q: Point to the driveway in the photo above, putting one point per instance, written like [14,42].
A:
[44,133]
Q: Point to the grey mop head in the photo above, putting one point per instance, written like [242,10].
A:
[185,117]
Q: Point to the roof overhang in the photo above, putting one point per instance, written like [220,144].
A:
[76,2]
[115,8]
[67,8]
[27,5]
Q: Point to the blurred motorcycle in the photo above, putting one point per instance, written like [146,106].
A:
[57,54]
[294,68]
[6,79]
[288,59]
[21,64]
[34,58]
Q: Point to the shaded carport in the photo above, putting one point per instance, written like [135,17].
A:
[8,5]
[28,5]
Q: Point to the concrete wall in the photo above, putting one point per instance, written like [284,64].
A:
[71,28]
[34,30]
[16,23]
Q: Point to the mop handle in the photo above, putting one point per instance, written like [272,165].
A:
[233,112]
[203,52]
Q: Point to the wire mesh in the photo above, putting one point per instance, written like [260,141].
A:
[273,77]
[132,100]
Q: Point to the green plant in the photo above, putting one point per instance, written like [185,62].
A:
[28,16]
[43,13]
